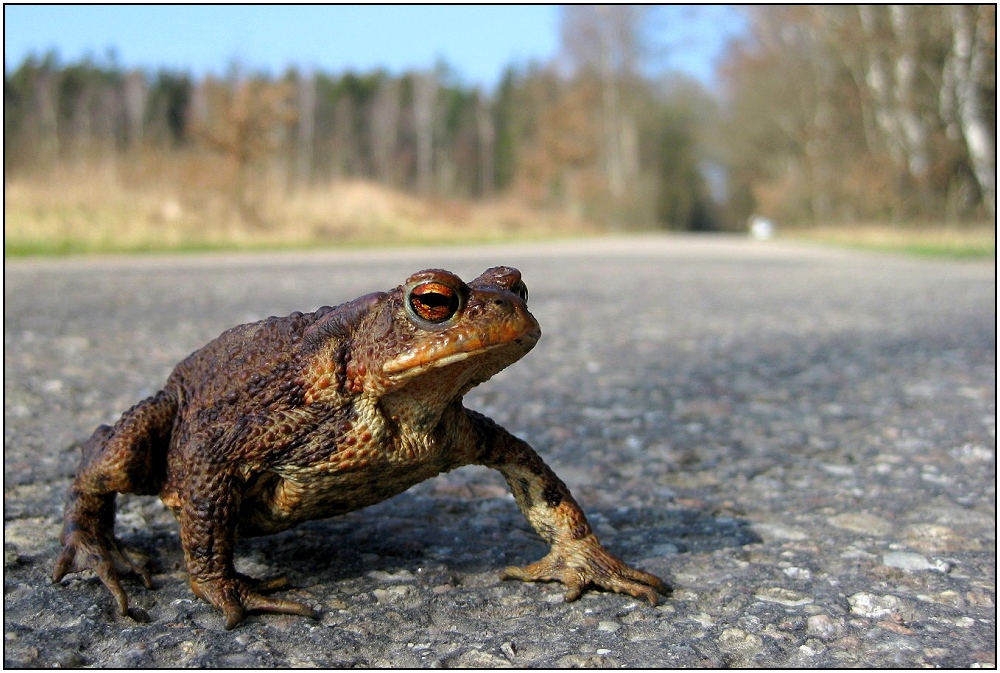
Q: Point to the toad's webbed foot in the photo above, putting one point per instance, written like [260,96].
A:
[584,562]
[240,594]
[106,555]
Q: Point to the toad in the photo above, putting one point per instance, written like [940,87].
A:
[317,414]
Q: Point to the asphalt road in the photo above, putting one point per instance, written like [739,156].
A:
[801,440]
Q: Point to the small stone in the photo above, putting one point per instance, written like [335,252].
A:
[579,661]
[664,549]
[608,626]
[704,619]
[895,627]
[10,556]
[935,538]
[391,594]
[872,606]
[478,659]
[782,596]
[979,599]
[948,597]
[52,386]
[798,573]
[778,531]
[861,522]
[742,645]
[401,576]
[839,470]
[70,659]
[823,627]
[908,561]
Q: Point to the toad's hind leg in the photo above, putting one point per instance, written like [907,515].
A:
[127,458]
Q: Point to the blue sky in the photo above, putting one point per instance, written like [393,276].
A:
[478,42]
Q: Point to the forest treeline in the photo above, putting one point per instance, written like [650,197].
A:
[824,115]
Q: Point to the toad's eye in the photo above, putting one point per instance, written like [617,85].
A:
[433,302]
[521,290]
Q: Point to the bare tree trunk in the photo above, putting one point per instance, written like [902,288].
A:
[343,138]
[486,133]
[628,143]
[385,129]
[878,82]
[424,95]
[968,61]
[81,124]
[607,40]
[307,129]
[136,96]
[610,108]
[48,120]
[914,130]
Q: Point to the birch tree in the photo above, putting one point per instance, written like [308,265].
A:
[972,28]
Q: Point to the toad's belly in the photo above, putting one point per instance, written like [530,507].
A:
[276,502]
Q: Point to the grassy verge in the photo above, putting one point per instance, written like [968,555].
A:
[956,242]
[101,209]
[94,213]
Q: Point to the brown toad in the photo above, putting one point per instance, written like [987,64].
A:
[313,415]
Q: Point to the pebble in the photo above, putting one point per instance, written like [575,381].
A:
[909,561]
[782,596]
[862,522]
[403,575]
[703,619]
[874,606]
[742,645]
[824,627]
[391,594]
[934,538]
[798,573]
[53,386]
[778,531]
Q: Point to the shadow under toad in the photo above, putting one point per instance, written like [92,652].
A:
[412,531]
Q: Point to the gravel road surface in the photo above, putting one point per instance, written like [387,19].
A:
[802,441]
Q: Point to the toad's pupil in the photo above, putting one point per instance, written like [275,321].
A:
[432,305]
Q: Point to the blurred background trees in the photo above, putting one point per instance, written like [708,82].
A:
[864,113]
[824,115]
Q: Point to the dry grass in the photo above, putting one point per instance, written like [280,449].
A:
[963,241]
[100,210]
[186,202]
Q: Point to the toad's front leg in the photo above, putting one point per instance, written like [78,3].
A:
[576,558]
[208,533]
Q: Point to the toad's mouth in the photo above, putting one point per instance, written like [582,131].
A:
[449,350]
